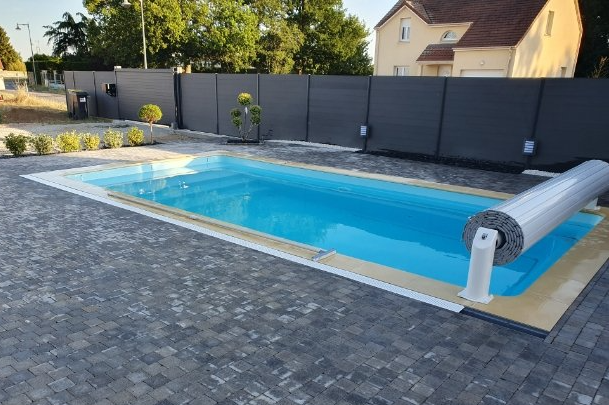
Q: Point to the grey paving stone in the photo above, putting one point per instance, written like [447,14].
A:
[126,309]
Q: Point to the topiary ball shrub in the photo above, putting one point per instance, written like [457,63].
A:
[113,139]
[68,142]
[90,141]
[150,113]
[244,99]
[256,114]
[16,143]
[135,136]
[42,144]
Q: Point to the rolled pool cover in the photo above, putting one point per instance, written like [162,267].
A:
[529,216]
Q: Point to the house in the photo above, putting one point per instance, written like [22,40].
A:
[479,38]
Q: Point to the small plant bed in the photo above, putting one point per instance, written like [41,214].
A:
[70,141]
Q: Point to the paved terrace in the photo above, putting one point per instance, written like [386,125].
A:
[100,305]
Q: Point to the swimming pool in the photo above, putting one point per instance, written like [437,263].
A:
[406,227]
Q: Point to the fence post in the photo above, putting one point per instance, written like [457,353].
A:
[177,96]
[441,119]
[542,86]
[217,108]
[259,103]
[118,96]
[95,95]
[365,148]
[308,107]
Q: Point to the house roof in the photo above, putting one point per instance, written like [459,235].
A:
[437,53]
[493,22]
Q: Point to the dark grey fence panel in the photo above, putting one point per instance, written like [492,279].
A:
[136,87]
[199,109]
[229,87]
[86,82]
[283,99]
[337,109]
[488,119]
[107,106]
[405,114]
[68,78]
[573,123]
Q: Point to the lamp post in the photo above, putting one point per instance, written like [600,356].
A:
[18,28]
[126,4]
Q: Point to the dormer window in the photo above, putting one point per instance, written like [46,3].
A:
[405,29]
[449,36]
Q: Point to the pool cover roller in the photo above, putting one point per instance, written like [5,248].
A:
[529,216]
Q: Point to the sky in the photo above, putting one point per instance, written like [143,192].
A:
[45,12]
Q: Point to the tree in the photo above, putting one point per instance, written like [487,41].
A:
[595,43]
[116,32]
[68,36]
[272,36]
[9,57]
[223,36]
[334,42]
[150,113]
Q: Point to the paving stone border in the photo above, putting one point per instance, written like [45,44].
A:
[99,305]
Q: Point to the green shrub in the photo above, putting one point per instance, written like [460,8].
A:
[113,139]
[68,142]
[90,141]
[16,143]
[135,136]
[150,113]
[244,99]
[42,144]
[256,114]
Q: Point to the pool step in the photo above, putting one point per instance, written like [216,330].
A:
[323,254]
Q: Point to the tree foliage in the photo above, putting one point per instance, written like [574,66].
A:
[595,43]
[9,57]
[268,36]
[68,36]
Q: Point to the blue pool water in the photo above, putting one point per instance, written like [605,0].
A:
[415,229]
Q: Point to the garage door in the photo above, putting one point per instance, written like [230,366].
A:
[482,73]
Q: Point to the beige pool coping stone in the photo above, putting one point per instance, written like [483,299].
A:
[540,306]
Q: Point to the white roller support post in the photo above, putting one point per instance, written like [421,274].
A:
[481,266]
[523,220]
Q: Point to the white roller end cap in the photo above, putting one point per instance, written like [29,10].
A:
[481,266]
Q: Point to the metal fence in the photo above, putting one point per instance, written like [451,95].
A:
[462,119]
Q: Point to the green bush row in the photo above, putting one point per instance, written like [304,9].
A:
[71,141]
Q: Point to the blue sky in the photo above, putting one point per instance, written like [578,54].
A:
[44,12]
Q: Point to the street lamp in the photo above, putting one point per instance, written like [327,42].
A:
[126,4]
[18,28]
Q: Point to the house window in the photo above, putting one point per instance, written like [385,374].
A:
[550,23]
[401,71]
[405,29]
[449,36]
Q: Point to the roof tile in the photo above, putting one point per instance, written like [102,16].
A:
[493,22]
[437,53]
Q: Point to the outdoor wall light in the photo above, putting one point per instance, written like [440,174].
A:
[529,148]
